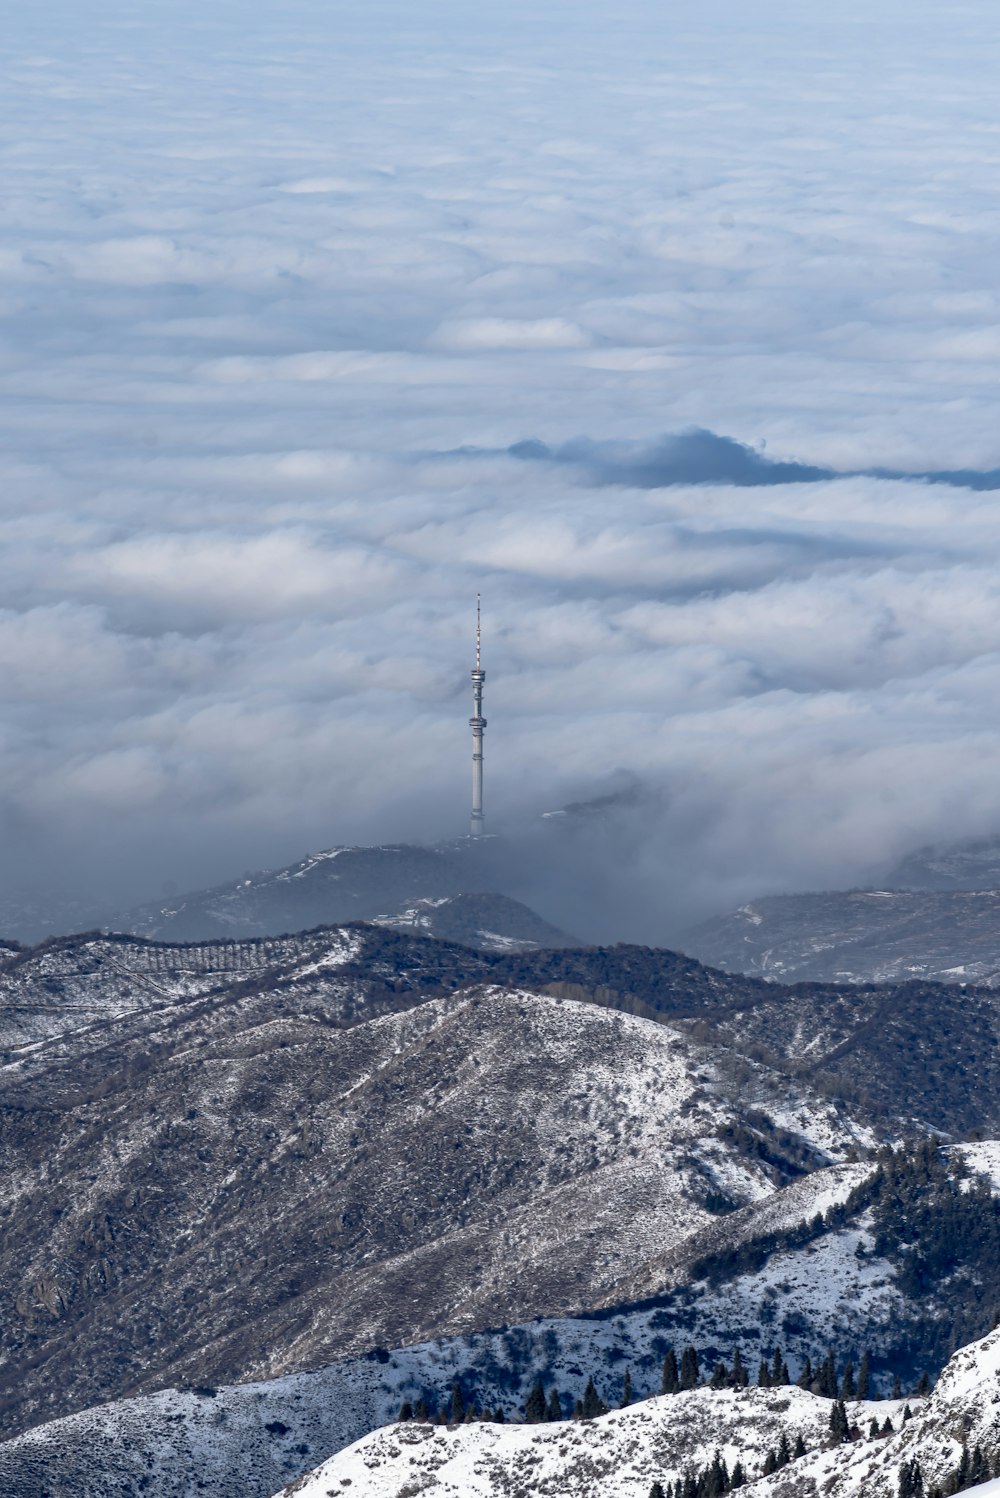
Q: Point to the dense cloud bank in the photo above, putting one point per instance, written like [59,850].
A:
[304,309]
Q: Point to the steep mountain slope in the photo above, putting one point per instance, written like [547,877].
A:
[447,1139]
[338,884]
[972,864]
[621,1454]
[859,936]
[490,1153]
[778,1284]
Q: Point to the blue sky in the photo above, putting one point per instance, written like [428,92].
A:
[279,287]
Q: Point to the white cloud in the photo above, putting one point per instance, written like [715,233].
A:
[277,294]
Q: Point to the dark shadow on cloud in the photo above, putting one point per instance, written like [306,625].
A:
[694,457]
[699,456]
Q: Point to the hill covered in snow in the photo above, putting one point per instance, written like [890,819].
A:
[859,936]
[621,1454]
[235,1161]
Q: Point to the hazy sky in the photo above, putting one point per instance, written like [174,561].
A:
[280,284]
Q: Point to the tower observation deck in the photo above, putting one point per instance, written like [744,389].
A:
[478,725]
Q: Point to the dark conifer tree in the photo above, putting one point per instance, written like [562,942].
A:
[720,1377]
[784,1452]
[671,1380]
[656,1491]
[799,1448]
[554,1411]
[873,1430]
[964,1468]
[839,1428]
[740,1375]
[534,1405]
[457,1404]
[420,1411]
[848,1388]
[770,1463]
[717,1476]
[979,1469]
[888,1429]
[806,1377]
[689,1368]
[779,1370]
[828,1377]
[763,1376]
[593,1404]
[405,1411]
[864,1376]
[923,1386]
[737,1478]
[907,1413]
[578,1410]
[498,1416]
[897,1388]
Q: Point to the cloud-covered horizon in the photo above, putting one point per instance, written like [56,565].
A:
[674,333]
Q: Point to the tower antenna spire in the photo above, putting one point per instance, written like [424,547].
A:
[478,725]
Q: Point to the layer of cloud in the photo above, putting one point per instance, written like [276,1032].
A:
[303,312]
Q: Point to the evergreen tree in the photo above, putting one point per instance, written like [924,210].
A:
[498,1416]
[626,1390]
[873,1430]
[897,1388]
[839,1428]
[979,1469]
[671,1380]
[828,1378]
[864,1376]
[779,1370]
[763,1376]
[554,1411]
[534,1405]
[784,1451]
[737,1478]
[911,1480]
[888,1429]
[717,1477]
[923,1386]
[964,1468]
[578,1410]
[405,1411]
[848,1388]
[800,1447]
[740,1375]
[420,1411]
[806,1377]
[689,1368]
[770,1463]
[656,1491]
[457,1404]
[593,1404]
[907,1413]
[720,1377]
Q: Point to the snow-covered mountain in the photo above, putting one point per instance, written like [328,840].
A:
[859,936]
[234,1161]
[445,889]
[971,864]
[621,1454]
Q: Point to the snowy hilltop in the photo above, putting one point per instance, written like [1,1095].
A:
[778,1443]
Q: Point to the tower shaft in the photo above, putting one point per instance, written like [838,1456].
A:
[478,725]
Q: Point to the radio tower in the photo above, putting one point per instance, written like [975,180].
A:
[478,724]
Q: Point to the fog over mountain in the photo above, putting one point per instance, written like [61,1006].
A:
[674,333]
